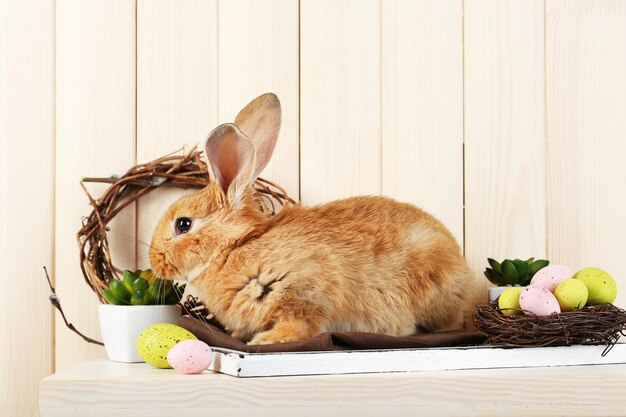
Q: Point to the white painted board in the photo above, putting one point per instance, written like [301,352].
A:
[243,364]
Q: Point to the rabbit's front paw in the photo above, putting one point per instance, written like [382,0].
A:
[268,338]
[282,332]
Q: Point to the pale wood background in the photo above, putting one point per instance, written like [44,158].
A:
[504,118]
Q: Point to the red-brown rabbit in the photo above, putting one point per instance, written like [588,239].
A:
[367,264]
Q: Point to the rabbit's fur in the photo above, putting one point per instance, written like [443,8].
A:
[367,264]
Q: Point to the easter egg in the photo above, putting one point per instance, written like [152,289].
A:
[509,299]
[538,301]
[190,356]
[601,286]
[571,294]
[155,342]
[551,276]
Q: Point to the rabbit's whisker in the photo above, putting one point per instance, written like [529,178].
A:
[130,238]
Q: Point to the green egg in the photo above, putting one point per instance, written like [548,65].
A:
[509,299]
[155,342]
[571,294]
[600,285]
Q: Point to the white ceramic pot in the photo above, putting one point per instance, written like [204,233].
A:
[121,325]
[494,292]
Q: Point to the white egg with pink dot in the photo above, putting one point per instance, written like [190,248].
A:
[190,356]
[538,301]
[551,276]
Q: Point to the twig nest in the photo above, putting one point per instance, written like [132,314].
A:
[598,324]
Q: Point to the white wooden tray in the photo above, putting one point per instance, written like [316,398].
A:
[243,364]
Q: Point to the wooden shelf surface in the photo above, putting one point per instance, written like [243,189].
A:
[104,388]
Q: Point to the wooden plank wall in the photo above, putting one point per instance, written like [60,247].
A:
[26,200]
[422,107]
[95,136]
[504,132]
[586,135]
[340,99]
[504,118]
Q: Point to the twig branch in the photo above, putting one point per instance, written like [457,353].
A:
[54,300]
[155,181]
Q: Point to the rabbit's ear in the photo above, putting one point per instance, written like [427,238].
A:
[260,121]
[232,159]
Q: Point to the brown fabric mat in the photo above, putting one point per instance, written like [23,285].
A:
[216,337]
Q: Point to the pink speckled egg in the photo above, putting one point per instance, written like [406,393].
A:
[551,276]
[538,301]
[190,356]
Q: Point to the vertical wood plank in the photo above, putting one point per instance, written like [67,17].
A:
[586,116]
[176,90]
[340,102]
[422,106]
[95,126]
[504,132]
[26,200]
[258,47]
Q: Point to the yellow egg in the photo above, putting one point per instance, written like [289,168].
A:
[601,286]
[510,299]
[571,294]
[155,342]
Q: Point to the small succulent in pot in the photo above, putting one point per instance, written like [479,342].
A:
[513,272]
[143,288]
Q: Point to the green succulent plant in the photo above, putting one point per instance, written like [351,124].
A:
[143,288]
[513,272]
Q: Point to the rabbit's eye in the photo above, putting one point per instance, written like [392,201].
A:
[182,225]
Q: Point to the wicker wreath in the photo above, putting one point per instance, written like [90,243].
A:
[184,171]
[599,324]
